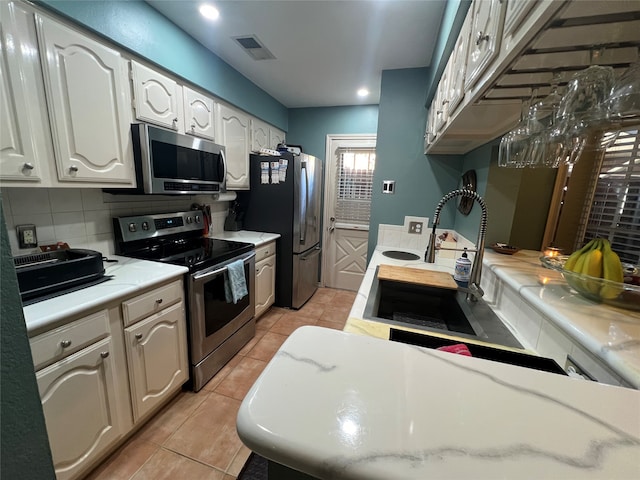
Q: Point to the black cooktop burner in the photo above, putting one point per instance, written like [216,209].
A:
[193,253]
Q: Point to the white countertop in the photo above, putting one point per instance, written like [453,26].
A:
[611,334]
[257,238]
[129,276]
[337,405]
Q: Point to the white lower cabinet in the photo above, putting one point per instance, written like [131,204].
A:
[157,358]
[97,379]
[265,277]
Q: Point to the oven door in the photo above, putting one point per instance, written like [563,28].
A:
[212,320]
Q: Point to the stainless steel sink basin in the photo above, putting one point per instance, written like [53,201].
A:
[436,309]
[399,255]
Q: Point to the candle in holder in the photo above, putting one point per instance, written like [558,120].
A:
[552,251]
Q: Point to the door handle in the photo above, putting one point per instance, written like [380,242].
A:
[304,212]
[331,229]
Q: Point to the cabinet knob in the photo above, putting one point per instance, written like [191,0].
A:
[193,127]
[175,122]
[73,168]
[27,166]
[104,354]
[65,343]
[482,38]
[138,336]
[159,301]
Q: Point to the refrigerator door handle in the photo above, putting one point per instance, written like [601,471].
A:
[305,205]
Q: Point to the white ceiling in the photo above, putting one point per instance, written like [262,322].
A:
[325,50]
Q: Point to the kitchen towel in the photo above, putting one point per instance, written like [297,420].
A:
[459,348]
[235,285]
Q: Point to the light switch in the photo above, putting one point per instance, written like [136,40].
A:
[27,236]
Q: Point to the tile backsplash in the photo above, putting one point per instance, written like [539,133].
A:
[83,217]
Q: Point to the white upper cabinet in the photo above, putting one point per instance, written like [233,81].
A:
[515,13]
[89,106]
[458,62]
[442,99]
[157,98]
[199,115]
[25,144]
[234,133]
[259,135]
[486,29]
[276,137]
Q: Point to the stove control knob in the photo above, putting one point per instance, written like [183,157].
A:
[145,225]
[132,227]
[197,217]
[189,219]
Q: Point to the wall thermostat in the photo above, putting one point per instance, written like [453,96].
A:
[27,236]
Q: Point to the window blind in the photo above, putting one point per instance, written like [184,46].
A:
[354,185]
[615,208]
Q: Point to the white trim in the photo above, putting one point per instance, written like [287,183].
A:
[333,142]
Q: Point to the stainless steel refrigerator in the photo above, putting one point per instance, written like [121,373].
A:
[288,202]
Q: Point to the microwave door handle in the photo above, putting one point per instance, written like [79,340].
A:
[224,167]
[303,210]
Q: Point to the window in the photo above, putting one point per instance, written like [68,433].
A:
[354,180]
[614,211]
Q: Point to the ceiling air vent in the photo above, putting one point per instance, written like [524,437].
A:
[254,47]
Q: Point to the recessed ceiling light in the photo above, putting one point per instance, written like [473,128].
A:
[363,92]
[209,11]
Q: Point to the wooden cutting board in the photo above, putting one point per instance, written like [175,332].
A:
[417,276]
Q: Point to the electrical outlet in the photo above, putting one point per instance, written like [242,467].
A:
[415,227]
[27,236]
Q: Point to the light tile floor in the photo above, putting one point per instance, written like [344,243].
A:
[194,437]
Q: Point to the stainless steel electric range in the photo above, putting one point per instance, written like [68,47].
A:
[217,329]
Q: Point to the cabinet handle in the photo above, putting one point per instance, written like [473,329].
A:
[73,168]
[65,343]
[159,301]
[482,38]
[27,166]
[138,336]
[104,354]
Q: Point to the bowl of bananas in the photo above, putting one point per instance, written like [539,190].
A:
[596,272]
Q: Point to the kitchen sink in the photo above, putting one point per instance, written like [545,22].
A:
[400,255]
[434,309]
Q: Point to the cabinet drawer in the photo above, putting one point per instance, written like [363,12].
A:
[265,251]
[63,341]
[151,302]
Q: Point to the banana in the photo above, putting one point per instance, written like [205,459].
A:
[611,270]
[592,267]
[573,258]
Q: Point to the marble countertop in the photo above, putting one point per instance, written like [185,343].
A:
[257,238]
[128,276]
[337,405]
[609,333]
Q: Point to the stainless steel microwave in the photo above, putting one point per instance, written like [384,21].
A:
[170,163]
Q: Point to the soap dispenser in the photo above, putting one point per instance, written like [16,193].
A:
[462,271]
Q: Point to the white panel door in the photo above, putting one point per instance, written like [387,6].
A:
[276,137]
[78,400]
[157,98]
[259,135]
[25,146]
[157,358]
[484,43]
[233,128]
[199,115]
[89,106]
[348,256]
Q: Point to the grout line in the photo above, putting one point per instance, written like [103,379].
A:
[194,459]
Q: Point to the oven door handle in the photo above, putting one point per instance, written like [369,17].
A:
[213,271]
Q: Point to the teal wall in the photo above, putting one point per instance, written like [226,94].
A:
[136,26]
[480,161]
[454,14]
[24,445]
[309,127]
[421,181]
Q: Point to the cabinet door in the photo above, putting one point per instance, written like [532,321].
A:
[156,98]
[430,132]
[458,62]
[233,130]
[259,135]
[25,147]
[265,284]
[78,400]
[486,26]
[442,99]
[198,114]
[89,106]
[157,358]
[276,137]
[515,12]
